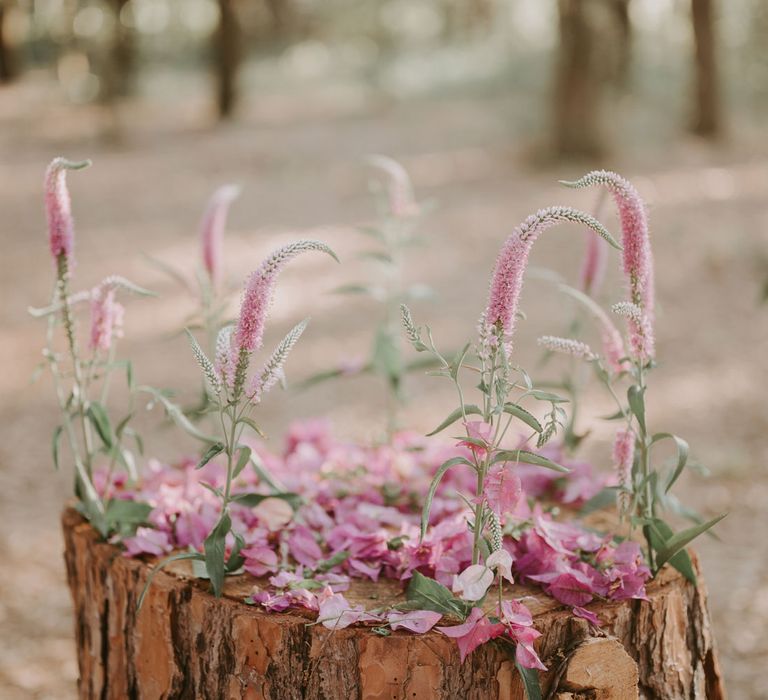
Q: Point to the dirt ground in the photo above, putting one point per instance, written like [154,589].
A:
[299,162]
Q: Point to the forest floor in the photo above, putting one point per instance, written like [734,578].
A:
[300,163]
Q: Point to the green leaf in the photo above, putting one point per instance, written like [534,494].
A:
[527,457]
[214,553]
[439,474]
[368,290]
[123,511]
[602,499]
[236,560]
[682,456]
[458,360]
[210,453]
[175,413]
[677,542]
[250,500]
[427,594]
[469,409]
[530,679]
[100,420]
[121,426]
[637,404]
[251,424]
[545,396]
[657,532]
[526,416]
[386,354]
[55,445]
[161,565]
[244,456]
[327,564]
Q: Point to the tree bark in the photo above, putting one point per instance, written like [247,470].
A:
[707,115]
[227,44]
[9,66]
[577,126]
[184,643]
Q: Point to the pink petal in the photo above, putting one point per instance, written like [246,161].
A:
[418,621]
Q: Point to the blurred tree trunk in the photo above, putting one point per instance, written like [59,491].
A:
[624,39]
[707,116]
[123,59]
[227,45]
[9,67]
[577,127]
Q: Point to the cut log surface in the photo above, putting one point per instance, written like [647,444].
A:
[184,643]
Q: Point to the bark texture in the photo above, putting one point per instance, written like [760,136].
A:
[184,643]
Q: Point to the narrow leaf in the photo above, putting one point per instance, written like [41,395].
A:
[454,416]
[210,453]
[530,677]
[161,565]
[677,542]
[100,420]
[528,457]
[214,553]
[55,445]
[244,456]
[682,455]
[637,404]
[453,462]
[427,594]
[526,416]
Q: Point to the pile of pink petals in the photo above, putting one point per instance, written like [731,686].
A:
[359,518]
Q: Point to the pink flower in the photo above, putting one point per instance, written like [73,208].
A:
[303,547]
[519,622]
[501,561]
[257,298]
[260,559]
[637,256]
[58,208]
[106,318]
[593,267]
[571,588]
[477,430]
[507,278]
[477,630]
[418,621]
[147,540]
[336,613]
[212,230]
[623,458]
[473,582]
[402,202]
[587,615]
[502,488]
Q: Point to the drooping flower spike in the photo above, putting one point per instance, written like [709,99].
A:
[257,298]
[595,258]
[612,343]
[212,230]
[58,209]
[638,257]
[567,346]
[507,278]
[106,318]
[272,371]
[402,202]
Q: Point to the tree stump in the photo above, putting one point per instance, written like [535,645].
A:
[184,643]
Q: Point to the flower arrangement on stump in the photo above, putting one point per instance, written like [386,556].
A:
[452,522]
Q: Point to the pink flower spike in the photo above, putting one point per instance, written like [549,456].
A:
[402,202]
[212,230]
[637,256]
[257,298]
[477,630]
[58,208]
[623,458]
[417,621]
[502,488]
[507,278]
[106,318]
[593,268]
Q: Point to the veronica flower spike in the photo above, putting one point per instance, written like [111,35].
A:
[212,231]
[58,209]
[637,256]
[248,334]
[507,278]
